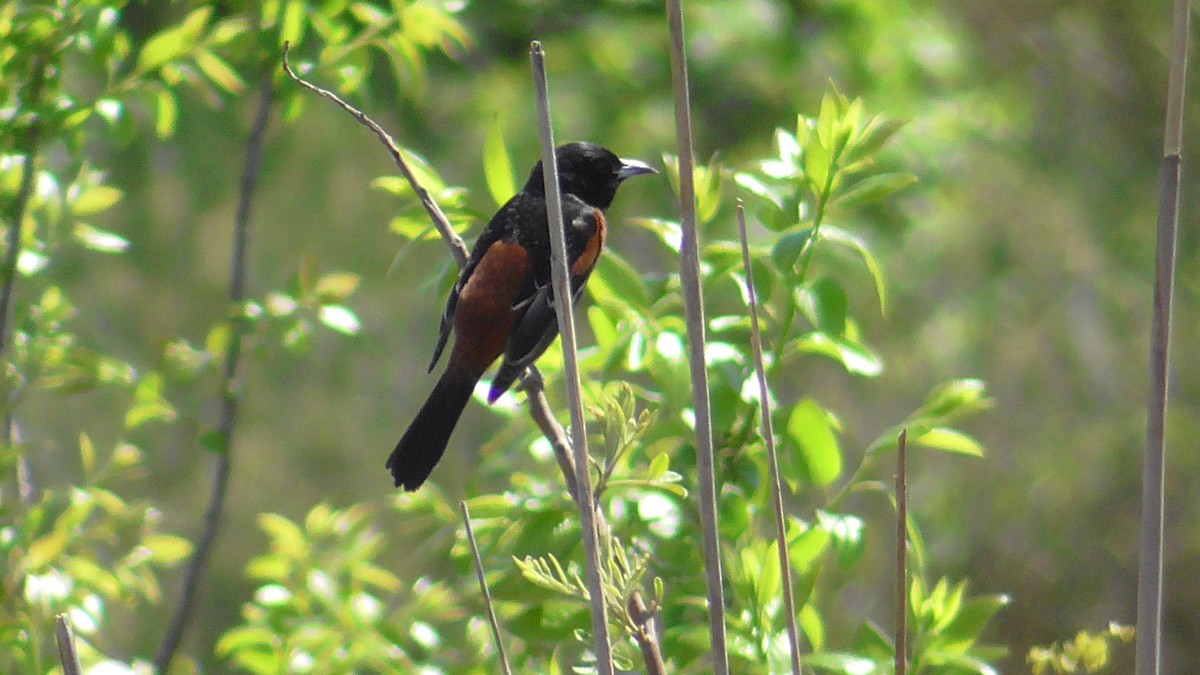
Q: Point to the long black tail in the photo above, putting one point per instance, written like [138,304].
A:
[425,441]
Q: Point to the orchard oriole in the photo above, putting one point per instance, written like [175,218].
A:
[503,303]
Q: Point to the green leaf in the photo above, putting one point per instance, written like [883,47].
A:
[173,42]
[45,550]
[497,165]
[856,244]
[99,240]
[953,399]
[336,286]
[658,466]
[87,455]
[826,305]
[221,74]
[166,113]
[148,403]
[166,549]
[339,318]
[970,620]
[877,132]
[286,537]
[94,199]
[847,534]
[854,357]
[242,638]
[787,249]
[811,430]
[950,440]
[874,188]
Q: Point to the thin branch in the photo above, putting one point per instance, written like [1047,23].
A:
[764,396]
[561,280]
[901,666]
[68,656]
[539,409]
[455,243]
[483,587]
[1150,545]
[693,302]
[645,635]
[230,395]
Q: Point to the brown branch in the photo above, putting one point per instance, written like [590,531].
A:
[561,280]
[901,666]
[483,587]
[764,395]
[455,243]
[1148,660]
[539,409]
[230,394]
[645,635]
[693,305]
[68,655]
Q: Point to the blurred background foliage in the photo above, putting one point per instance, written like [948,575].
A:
[1023,258]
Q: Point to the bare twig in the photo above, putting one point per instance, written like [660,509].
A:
[561,280]
[230,394]
[1150,545]
[693,302]
[455,243]
[67,654]
[902,555]
[539,409]
[483,587]
[645,635]
[785,567]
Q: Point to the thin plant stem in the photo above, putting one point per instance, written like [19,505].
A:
[560,277]
[68,655]
[454,242]
[230,394]
[901,666]
[693,302]
[1150,544]
[483,587]
[764,395]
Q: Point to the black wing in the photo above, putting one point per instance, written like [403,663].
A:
[537,325]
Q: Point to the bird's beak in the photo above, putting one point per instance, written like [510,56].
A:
[633,167]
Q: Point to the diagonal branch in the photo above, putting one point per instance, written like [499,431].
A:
[764,395]
[455,243]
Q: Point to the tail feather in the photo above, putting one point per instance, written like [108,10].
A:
[425,441]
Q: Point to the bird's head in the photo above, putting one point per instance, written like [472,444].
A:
[590,172]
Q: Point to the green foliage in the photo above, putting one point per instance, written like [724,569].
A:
[125,125]
[1087,653]
[324,604]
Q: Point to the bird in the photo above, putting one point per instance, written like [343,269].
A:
[503,304]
